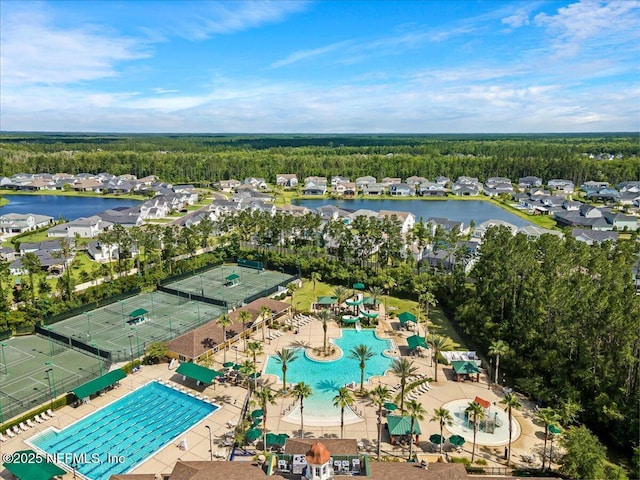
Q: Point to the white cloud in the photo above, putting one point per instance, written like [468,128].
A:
[519,19]
[36,52]
[308,54]
[160,90]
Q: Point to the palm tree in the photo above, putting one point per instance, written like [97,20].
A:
[284,357]
[362,353]
[224,321]
[416,411]
[343,399]
[510,401]
[265,312]
[427,299]
[547,416]
[255,348]
[324,317]
[245,317]
[376,293]
[341,294]
[380,395]
[476,412]
[438,344]
[389,285]
[443,417]
[291,288]
[265,397]
[248,368]
[32,264]
[300,391]
[499,349]
[403,368]
[315,277]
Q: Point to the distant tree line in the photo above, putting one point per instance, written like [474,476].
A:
[202,159]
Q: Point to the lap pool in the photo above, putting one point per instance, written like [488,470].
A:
[325,378]
[125,433]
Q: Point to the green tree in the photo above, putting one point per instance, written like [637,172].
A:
[4,275]
[32,265]
[361,353]
[476,415]
[224,322]
[510,401]
[255,348]
[585,456]
[156,351]
[417,412]
[443,417]
[379,396]
[265,315]
[404,369]
[324,318]
[498,349]
[547,417]
[245,319]
[427,299]
[284,357]
[265,397]
[66,254]
[247,369]
[315,277]
[342,400]
[439,344]
[300,391]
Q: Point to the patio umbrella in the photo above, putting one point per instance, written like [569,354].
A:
[256,423]
[237,366]
[255,375]
[390,406]
[228,364]
[436,438]
[555,429]
[253,434]
[257,413]
[271,439]
[456,440]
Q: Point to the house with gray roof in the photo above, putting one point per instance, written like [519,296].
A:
[14,223]
[83,227]
[431,189]
[402,190]
[591,237]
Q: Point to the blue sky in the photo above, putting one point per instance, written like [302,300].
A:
[320,67]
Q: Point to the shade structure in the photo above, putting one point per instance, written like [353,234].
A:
[236,366]
[436,438]
[349,319]
[36,469]
[256,422]
[100,383]
[405,317]
[233,276]
[369,314]
[464,367]
[139,312]
[197,372]
[274,440]
[415,341]
[390,406]
[257,413]
[228,364]
[253,434]
[255,375]
[355,302]
[358,286]
[456,440]
[555,429]
[401,425]
[327,300]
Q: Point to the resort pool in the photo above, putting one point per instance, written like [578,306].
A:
[325,378]
[125,433]
[496,414]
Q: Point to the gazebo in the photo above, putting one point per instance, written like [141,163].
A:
[232,280]
[326,302]
[198,373]
[415,341]
[137,316]
[400,426]
[405,317]
[465,368]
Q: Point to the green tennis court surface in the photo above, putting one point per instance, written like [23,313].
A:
[27,381]
[114,329]
[230,283]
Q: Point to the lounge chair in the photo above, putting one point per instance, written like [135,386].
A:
[9,433]
[50,413]
[283,466]
[44,416]
[30,423]
[355,465]
[38,419]
[23,427]
[345,465]
[2,438]
[337,466]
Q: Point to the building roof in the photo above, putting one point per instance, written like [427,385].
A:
[413,471]
[317,454]
[401,425]
[336,446]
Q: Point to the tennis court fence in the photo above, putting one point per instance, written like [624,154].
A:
[193,296]
[71,342]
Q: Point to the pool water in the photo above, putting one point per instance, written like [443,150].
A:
[500,435]
[126,432]
[325,378]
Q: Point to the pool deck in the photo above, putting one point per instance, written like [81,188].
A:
[231,399]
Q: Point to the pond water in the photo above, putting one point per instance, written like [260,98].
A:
[69,208]
[458,210]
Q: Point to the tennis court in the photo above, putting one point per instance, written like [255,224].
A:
[126,327]
[231,283]
[37,369]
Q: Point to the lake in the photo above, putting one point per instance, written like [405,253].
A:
[459,210]
[58,205]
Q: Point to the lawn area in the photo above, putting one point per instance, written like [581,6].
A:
[71,193]
[544,221]
[438,322]
[3,201]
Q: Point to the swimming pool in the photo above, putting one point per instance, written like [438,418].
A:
[462,427]
[325,378]
[124,433]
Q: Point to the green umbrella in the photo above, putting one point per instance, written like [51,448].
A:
[256,422]
[282,439]
[237,366]
[390,406]
[253,434]
[555,429]
[271,439]
[228,364]
[456,440]
[358,286]
[255,375]
[436,438]
[257,413]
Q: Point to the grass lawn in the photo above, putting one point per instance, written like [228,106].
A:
[71,193]
[3,201]
[544,221]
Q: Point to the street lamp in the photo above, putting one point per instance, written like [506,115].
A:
[51,380]
[489,373]
[4,359]
[379,429]
[236,349]
[124,324]
[88,323]
[50,341]
[170,329]
[99,357]
[201,287]
[210,443]
[137,342]
[131,348]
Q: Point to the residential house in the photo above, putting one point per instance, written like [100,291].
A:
[525,183]
[620,221]
[585,216]
[533,232]
[561,185]
[441,180]
[315,189]
[493,181]
[593,186]
[604,195]
[127,217]
[316,180]
[347,189]
[467,188]
[406,219]
[462,180]
[481,230]
[414,180]
[83,227]
[295,210]
[446,225]
[287,180]
[374,189]
[338,179]
[362,181]
[401,190]
[386,181]
[229,185]
[87,185]
[101,252]
[591,237]
[431,189]
[23,222]
[256,182]
[498,189]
